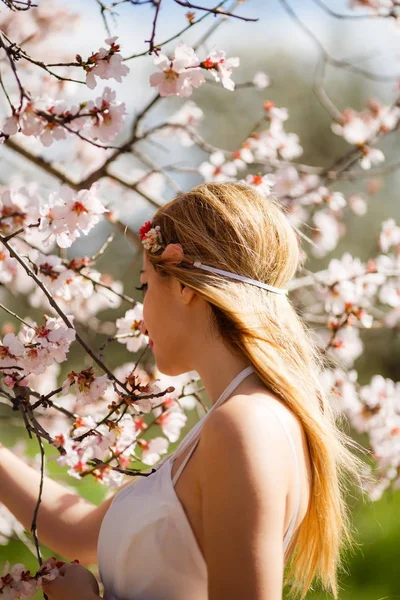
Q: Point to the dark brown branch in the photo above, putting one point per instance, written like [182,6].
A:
[19,5]
[215,11]
[39,499]
[152,46]
[10,312]
[44,164]
[177,35]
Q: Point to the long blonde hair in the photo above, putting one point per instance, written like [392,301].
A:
[231,226]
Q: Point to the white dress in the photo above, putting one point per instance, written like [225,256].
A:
[146,548]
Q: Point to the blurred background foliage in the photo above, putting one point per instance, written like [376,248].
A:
[372,570]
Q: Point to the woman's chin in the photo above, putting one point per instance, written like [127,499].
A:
[166,368]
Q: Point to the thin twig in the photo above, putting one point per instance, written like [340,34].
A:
[39,499]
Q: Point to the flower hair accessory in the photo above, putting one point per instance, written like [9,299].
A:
[151,237]
[152,241]
[173,253]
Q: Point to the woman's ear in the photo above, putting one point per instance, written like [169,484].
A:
[187,294]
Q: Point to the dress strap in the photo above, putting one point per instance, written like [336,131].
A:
[185,460]
[290,529]
[194,434]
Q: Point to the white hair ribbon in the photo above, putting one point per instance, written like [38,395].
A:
[260,284]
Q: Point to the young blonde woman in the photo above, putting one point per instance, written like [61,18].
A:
[253,495]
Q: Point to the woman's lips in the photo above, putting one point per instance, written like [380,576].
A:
[151,344]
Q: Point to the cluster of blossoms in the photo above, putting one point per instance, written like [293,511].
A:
[373,409]
[76,287]
[117,439]
[185,71]
[361,128]
[101,119]
[351,290]
[68,214]
[106,63]
[61,219]
[34,349]
[305,196]
[265,147]
[96,435]
[18,583]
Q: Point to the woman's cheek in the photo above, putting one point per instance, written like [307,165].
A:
[148,311]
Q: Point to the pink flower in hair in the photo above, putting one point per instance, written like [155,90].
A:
[173,253]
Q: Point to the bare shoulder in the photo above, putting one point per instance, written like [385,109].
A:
[252,431]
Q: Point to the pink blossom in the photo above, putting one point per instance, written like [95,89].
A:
[17,583]
[108,116]
[287,182]
[354,129]
[221,67]
[242,157]
[347,345]
[19,207]
[217,169]
[348,283]
[88,388]
[126,436]
[10,126]
[357,204]
[261,80]
[184,385]
[152,450]
[11,351]
[48,571]
[359,127]
[128,329]
[341,386]
[30,122]
[372,157]
[37,359]
[106,64]
[69,213]
[8,267]
[54,274]
[335,201]
[327,234]
[262,183]
[179,74]
[112,479]
[389,294]
[275,142]
[389,235]
[56,337]
[172,422]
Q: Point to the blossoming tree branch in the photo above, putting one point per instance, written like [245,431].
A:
[96,418]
